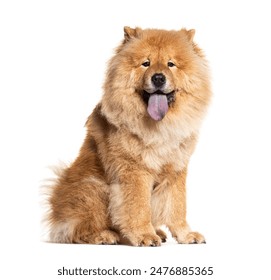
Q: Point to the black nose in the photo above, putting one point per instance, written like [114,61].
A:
[158,79]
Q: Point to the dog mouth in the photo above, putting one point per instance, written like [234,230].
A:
[170,96]
[158,103]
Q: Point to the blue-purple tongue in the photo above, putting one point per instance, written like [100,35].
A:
[157,106]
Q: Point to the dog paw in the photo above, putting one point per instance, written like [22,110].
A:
[162,235]
[191,238]
[145,240]
[107,237]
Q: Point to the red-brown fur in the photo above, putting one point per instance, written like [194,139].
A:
[129,177]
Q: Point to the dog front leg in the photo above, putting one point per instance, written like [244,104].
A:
[130,208]
[177,223]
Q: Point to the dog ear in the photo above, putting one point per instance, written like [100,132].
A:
[190,36]
[189,33]
[130,33]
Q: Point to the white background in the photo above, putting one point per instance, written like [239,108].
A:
[53,56]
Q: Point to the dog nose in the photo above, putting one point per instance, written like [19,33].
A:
[158,79]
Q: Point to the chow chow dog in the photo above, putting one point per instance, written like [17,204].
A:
[129,178]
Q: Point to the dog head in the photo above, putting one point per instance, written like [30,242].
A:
[159,67]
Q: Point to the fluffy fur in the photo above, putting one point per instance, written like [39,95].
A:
[129,177]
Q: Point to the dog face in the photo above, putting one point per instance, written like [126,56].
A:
[160,67]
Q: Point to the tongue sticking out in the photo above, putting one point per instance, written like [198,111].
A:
[157,106]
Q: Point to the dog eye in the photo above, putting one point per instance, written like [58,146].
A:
[170,64]
[146,63]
